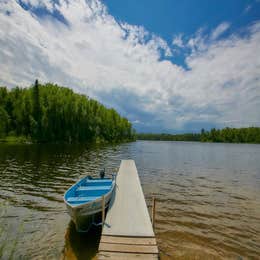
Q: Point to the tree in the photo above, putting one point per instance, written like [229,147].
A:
[37,110]
[4,122]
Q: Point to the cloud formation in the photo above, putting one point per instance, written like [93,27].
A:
[220,30]
[177,41]
[79,44]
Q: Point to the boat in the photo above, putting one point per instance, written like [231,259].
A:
[84,200]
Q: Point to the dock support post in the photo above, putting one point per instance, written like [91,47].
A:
[153,212]
[103,210]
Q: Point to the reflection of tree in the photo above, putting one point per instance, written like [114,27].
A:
[34,178]
[39,162]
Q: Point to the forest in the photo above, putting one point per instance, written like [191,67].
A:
[225,135]
[51,113]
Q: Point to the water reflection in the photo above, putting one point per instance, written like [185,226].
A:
[208,198]
[81,245]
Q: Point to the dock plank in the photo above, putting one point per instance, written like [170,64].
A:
[126,256]
[129,240]
[128,214]
[138,249]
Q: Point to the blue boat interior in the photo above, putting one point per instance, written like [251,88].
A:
[87,190]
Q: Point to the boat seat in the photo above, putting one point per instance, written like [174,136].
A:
[100,180]
[86,188]
[81,199]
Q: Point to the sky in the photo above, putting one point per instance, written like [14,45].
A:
[168,66]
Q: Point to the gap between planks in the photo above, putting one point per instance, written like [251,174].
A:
[128,240]
[126,256]
[124,248]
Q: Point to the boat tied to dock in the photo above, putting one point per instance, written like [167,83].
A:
[86,199]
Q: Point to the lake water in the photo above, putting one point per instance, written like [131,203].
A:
[208,198]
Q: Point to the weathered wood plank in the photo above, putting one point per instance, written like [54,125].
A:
[128,240]
[128,214]
[126,256]
[146,249]
[127,232]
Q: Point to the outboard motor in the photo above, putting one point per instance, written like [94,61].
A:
[102,173]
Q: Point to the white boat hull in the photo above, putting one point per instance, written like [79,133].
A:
[87,214]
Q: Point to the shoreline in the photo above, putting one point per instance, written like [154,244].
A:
[25,140]
[193,141]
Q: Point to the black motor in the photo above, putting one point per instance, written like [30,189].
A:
[102,173]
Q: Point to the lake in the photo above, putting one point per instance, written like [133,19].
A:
[208,198]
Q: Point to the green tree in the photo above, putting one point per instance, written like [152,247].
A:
[37,131]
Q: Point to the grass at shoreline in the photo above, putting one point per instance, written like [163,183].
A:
[16,139]
[25,140]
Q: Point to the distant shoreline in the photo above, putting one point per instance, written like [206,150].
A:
[193,141]
[249,135]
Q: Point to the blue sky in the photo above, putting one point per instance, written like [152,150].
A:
[168,66]
[174,17]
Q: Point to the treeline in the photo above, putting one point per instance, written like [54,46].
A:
[50,113]
[168,137]
[226,135]
[231,135]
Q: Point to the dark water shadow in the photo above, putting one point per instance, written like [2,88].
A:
[81,245]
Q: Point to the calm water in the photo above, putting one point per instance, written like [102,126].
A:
[208,198]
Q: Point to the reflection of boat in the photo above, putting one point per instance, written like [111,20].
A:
[80,245]
[84,200]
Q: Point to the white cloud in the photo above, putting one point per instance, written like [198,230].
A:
[95,54]
[48,4]
[177,41]
[220,30]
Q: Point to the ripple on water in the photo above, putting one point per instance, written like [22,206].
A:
[208,198]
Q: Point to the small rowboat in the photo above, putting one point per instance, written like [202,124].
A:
[84,200]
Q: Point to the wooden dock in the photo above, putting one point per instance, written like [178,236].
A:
[127,232]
